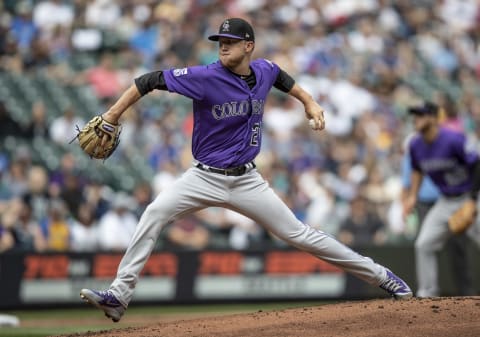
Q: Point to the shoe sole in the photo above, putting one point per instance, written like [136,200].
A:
[98,306]
[403,297]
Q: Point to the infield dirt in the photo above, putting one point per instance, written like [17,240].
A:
[429,317]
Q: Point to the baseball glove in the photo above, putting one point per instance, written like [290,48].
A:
[99,138]
[463,217]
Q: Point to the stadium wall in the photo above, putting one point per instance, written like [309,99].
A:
[29,280]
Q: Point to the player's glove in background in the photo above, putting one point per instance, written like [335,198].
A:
[463,217]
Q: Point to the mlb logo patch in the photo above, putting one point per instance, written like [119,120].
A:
[269,62]
[180,72]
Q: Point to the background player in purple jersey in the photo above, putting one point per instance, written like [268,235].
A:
[228,102]
[444,156]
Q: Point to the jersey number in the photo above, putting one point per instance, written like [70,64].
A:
[255,134]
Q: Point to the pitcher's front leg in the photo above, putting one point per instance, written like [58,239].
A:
[186,195]
[259,202]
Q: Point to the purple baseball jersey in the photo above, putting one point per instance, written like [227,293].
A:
[227,129]
[447,161]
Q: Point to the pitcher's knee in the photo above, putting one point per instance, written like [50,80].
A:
[154,217]
[422,245]
[303,236]
[158,211]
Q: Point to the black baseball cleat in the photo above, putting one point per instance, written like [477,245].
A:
[396,287]
[104,300]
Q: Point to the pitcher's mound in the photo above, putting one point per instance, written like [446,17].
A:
[433,317]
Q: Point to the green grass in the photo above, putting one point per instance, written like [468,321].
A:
[51,322]
[43,332]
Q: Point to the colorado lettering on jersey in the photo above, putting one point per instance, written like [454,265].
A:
[234,108]
[437,164]
[456,177]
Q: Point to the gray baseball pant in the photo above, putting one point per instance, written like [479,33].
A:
[433,235]
[249,195]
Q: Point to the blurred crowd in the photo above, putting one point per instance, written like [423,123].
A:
[364,61]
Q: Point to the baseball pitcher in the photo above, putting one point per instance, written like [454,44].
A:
[228,104]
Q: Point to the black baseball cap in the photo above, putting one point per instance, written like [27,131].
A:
[428,108]
[234,28]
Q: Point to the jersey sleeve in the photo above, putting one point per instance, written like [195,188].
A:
[464,150]
[413,158]
[188,81]
[270,71]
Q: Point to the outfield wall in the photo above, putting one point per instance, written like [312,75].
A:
[204,276]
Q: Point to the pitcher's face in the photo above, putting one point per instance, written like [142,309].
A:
[232,52]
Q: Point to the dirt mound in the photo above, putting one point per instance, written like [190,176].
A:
[435,317]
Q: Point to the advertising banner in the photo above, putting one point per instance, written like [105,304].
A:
[40,279]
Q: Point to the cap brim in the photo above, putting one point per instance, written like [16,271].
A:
[417,111]
[215,37]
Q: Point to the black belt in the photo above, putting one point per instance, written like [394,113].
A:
[455,195]
[232,171]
